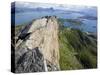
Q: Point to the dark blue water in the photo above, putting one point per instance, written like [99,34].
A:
[27,16]
[89,25]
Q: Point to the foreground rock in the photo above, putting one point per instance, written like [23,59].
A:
[37,47]
[30,61]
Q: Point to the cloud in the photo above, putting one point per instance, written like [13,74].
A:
[55,6]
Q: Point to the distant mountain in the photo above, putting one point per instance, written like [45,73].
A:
[23,9]
[26,7]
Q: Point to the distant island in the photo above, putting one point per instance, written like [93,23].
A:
[88,17]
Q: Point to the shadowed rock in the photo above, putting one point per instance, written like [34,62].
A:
[30,61]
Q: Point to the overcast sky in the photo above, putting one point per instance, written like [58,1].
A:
[55,6]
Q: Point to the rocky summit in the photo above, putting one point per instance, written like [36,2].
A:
[37,47]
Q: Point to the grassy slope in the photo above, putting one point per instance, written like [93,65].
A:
[77,49]
[71,21]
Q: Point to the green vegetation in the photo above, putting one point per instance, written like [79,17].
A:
[18,28]
[71,21]
[77,49]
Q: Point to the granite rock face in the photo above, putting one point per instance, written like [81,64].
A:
[30,61]
[37,47]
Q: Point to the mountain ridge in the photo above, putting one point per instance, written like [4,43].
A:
[41,34]
[54,47]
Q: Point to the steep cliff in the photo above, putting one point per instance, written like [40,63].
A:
[38,40]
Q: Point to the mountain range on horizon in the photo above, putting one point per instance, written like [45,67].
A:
[54,6]
[27,6]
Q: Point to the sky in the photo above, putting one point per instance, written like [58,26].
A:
[55,6]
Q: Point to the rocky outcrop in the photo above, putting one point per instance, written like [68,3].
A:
[37,47]
[30,61]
